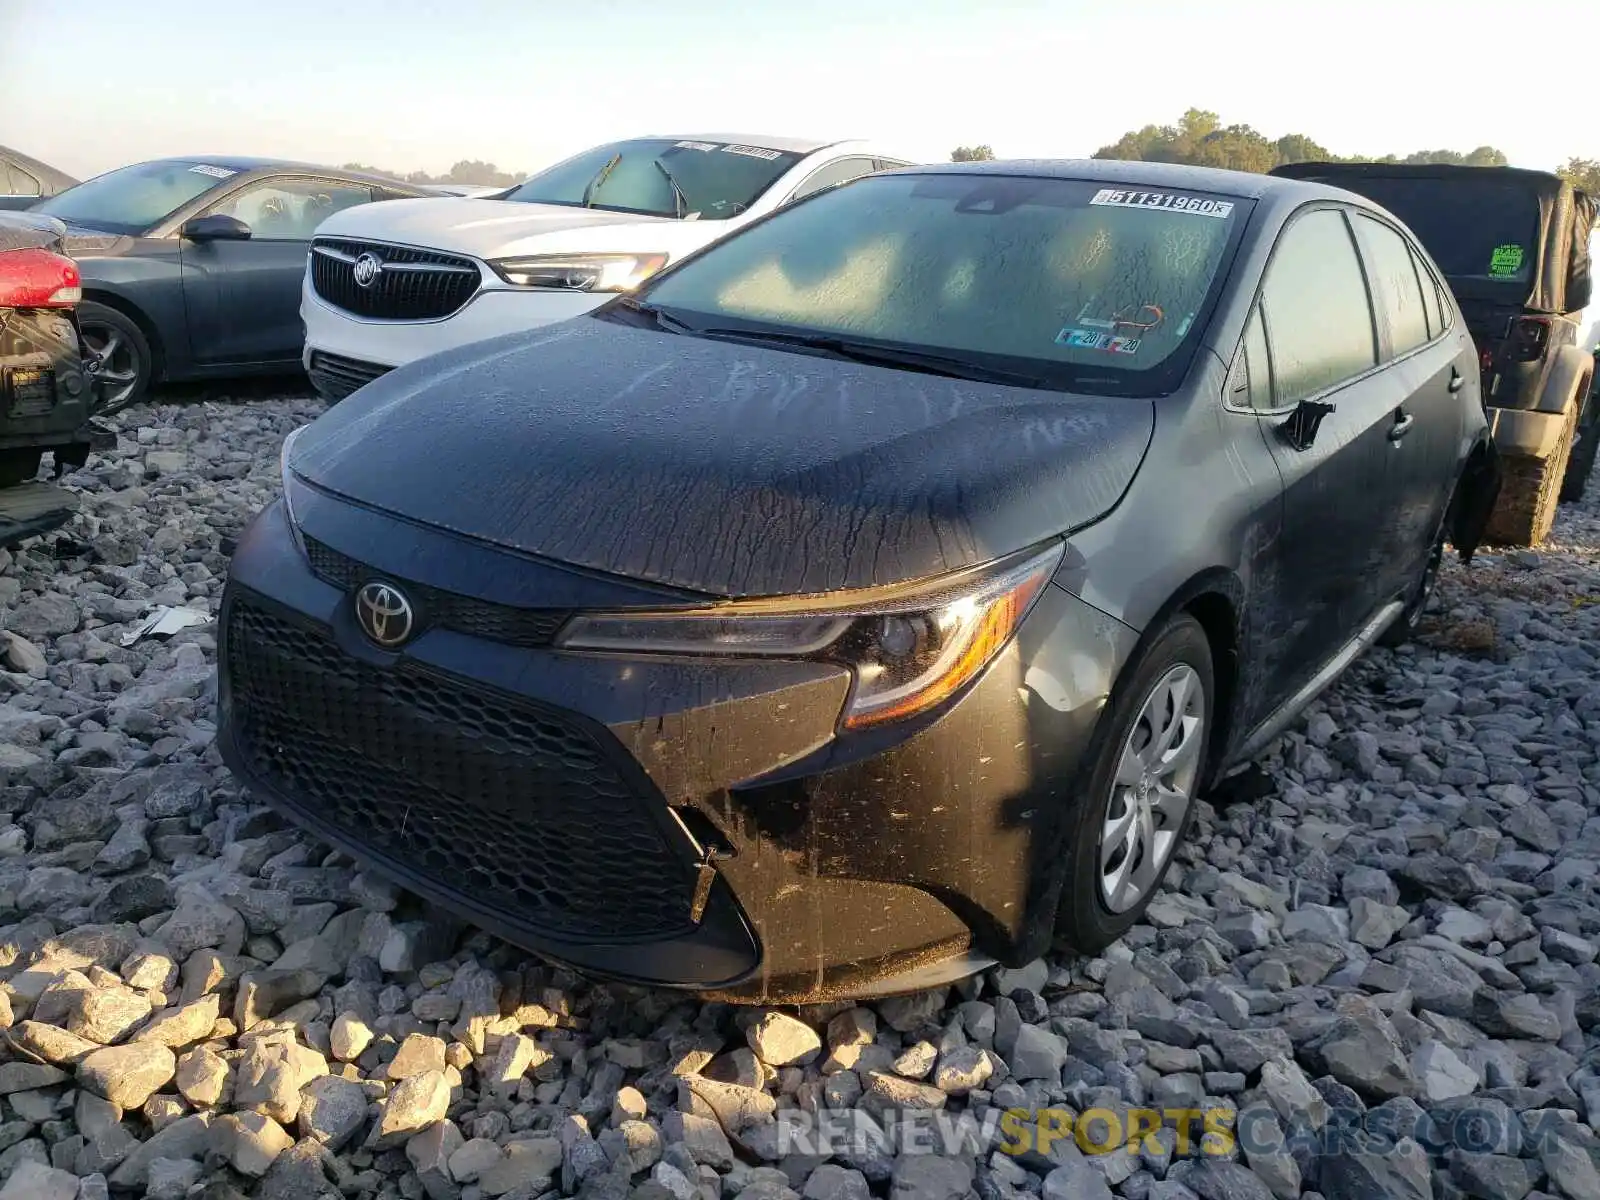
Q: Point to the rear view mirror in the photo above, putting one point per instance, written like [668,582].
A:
[218,227]
[1301,428]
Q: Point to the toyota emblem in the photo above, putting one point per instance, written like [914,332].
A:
[385,614]
[367,269]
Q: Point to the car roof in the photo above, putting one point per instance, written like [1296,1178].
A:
[247,163]
[766,141]
[56,178]
[1246,185]
[1416,171]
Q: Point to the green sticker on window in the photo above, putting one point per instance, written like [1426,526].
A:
[1506,260]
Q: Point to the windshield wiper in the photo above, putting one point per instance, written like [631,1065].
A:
[680,202]
[600,178]
[656,317]
[949,365]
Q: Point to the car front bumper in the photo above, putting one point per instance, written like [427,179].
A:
[361,349]
[565,801]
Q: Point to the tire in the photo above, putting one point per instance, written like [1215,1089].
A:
[1581,465]
[124,374]
[1091,915]
[1530,492]
[19,466]
[1405,625]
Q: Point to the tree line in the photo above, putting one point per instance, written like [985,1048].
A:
[1201,139]
[468,172]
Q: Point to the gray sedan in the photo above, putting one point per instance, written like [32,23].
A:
[192,266]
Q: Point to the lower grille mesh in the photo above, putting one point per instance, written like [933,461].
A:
[512,807]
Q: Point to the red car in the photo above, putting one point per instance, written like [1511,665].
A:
[46,384]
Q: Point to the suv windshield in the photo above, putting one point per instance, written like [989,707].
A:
[1064,282]
[132,199]
[1483,229]
[661,177]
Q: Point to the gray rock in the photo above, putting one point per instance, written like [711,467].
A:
[332,1110]
[930,1177]
[1440,1072]
[1365,1054]
[1075,1181]
[780,1040]
[1493,1176]
[1037,1054]
[127,1075]
[1358,1173]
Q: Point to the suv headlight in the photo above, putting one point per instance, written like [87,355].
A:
[580,272]
[910,647]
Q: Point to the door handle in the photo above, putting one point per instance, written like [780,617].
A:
[1401,427]
[1457,380]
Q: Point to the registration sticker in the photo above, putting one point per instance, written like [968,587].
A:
[1198,206]
[706,146]
[1082,339]
[1123,345]
[1505,260]
[753,152]
[214,172]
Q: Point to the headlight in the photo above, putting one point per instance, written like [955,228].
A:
[580,272]
[910,648]
[285,483]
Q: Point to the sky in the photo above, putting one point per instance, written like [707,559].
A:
[408,85]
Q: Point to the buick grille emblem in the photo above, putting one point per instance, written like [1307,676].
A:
[367,269]
[385,614]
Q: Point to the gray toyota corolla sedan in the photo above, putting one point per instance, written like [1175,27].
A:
[868,597]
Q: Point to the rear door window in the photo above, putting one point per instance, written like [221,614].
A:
[1318,316]
[1396,290]
[17,182]
[1433,298]
[833,174]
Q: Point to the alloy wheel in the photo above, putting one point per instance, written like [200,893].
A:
[1152,790]
[118,366]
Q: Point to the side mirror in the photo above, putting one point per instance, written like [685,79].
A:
[218,227]
[1300,430]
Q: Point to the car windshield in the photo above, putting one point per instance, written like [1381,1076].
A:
[661,177]
[132,199]
[1074,285]
[1482,229]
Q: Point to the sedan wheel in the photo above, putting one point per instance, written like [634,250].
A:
[123,354]
[1135,801]
[1149,802]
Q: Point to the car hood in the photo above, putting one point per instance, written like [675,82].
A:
[483,228]
[718,467]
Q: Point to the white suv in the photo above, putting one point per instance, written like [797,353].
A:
[389,283]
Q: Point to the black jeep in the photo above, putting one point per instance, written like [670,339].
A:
[1514,247]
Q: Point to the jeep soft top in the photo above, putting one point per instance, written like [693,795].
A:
[1513,245]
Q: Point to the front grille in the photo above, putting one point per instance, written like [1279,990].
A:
[335,376]
[510,806]
[441,609]
[414,285]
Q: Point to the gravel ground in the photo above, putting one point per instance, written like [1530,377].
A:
[1376,978]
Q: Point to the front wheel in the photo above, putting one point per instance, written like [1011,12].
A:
[123,374]
[1136,807]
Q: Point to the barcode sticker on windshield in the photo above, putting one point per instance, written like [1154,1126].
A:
[706,146]
[752,152]
[1197,205]
[214,172]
